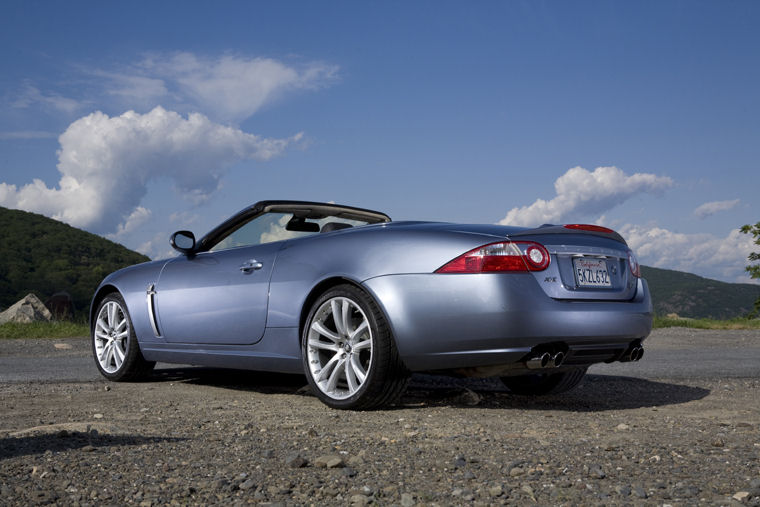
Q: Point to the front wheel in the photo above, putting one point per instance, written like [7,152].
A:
[544,383]
[349,355]
[114,343]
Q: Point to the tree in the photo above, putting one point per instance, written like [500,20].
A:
[754,269]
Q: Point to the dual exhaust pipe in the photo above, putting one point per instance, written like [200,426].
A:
[633,354]
[546,360]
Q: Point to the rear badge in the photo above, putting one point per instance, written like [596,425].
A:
[552,279]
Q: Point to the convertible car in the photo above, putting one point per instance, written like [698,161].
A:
[358,302]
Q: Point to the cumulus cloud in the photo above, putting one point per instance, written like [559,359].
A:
[229,88]
[713,256]
[582,194]
[711,208]
[107,162]
[135,219]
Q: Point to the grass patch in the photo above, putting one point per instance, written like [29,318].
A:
[53,329]
[736,323]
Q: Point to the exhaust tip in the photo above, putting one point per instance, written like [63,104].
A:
[558,359]
[639,353]
[537,362]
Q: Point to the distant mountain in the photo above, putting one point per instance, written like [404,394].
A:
[696,297]
[45,256]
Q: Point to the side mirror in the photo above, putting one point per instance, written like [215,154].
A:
[183,241]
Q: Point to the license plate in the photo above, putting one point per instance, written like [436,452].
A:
[591,272]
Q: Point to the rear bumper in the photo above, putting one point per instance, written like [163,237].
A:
[470,320]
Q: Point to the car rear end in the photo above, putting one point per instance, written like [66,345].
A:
[550,298]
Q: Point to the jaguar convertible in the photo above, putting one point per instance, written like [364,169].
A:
[357,302]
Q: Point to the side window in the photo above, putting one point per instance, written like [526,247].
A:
[265,228]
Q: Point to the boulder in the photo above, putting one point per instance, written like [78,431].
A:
[29,309]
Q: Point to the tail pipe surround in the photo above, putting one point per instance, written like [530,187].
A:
[545,360]
[634,353]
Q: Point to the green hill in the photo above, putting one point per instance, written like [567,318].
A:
[45,256]
[696,297]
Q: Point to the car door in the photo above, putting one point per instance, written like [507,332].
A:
[216,297]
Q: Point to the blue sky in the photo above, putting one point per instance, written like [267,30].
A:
[135,119]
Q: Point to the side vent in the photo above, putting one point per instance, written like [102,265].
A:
[152,309]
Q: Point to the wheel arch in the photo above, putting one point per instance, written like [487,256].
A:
[328,284]
[101,293]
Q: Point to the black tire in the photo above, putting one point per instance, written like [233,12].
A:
[540,384]
[385,376]
[112,329]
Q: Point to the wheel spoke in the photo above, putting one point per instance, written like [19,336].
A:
[323,346]
[328,367]
[103,325]
[120,326]
[359,329]
[123,334]
[350,376]
[335,376]
[103,354]
[358,369]
[363,345]
[337,313]
[118,355]
[321,329]
[111,314]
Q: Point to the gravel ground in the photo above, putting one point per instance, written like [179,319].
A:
[202,436]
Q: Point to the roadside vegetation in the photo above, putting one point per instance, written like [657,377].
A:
[735,323]
[53,329]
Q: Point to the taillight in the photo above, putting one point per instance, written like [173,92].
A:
[589,227]
[500,257]
[633,263]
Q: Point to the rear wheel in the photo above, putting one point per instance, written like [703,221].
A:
[114,343]
[544,383]
[349,355]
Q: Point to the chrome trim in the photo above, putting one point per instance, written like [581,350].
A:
[151,292]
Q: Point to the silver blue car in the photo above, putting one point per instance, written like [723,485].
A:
[357,302]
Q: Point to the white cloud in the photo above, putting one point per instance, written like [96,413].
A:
[582,194]
[227,87]
[707,254]
[135,219]
[711,208]
[106,163]
[32,95]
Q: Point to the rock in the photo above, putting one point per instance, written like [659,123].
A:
[296,461]
[97,416]
[596,472]
[516,472]
[622,427]
[29,309]
[468,397]
[359,500]
[639,492]
[329,461]
[349,472]
[88,448]
[407,500]
[62,346]
[495,491]
[623,490]
[459,462]
[741,496]
[247,484]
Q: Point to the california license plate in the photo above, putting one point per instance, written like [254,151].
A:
[591,272]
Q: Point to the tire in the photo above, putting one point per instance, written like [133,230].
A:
[349,355]
[540,384]
[114,343]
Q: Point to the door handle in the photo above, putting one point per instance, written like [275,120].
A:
[250,266]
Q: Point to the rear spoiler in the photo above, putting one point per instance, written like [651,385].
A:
[591,230]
